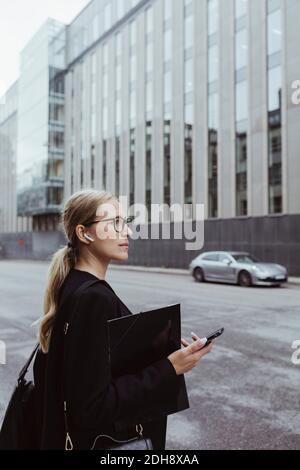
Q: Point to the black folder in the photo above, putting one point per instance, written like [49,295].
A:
[136,341]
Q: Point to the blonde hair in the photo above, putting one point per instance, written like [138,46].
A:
[79,208]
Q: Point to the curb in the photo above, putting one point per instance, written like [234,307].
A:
[292,280]
[149,269]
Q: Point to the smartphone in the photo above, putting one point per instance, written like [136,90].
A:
[213,335]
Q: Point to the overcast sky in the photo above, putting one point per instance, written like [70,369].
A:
[19,20]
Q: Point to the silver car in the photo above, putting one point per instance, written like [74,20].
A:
[236,268]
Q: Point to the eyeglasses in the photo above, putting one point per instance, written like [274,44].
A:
[119,222]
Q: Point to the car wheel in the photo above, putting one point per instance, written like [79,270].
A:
[245,279]
[198,275]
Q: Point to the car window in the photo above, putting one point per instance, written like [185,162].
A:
[223,258]
[245,259]
[212,257]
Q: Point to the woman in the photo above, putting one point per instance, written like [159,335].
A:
[97,231]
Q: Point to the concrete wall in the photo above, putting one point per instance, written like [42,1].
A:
[270,238]
[30,245]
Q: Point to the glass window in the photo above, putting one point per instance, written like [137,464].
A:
[168,45]
[189,76]
[213,16]
[189,32]
[149,57]
[132,105]
[118,113]
[213,118]
[120,8]
[241,49]
[241,102]
[132,33]
[93,95]
[224,258]
[213,64]
[274,107]
[105,85]
[93,126]
[56,112]
[274,32]
[118,44]
[149,97]
[94,64]
[105,55]
[168,86]
[274,92]
[149,20]
[133,68]
[245,258]
[168,9]
[95,27]
[118,78]
[84,37]
[240,8]
[107,16]
[105,120]
[273,5]
[212,257]
[189,114]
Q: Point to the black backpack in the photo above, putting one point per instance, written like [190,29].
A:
[19,427]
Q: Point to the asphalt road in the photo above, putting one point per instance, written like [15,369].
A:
[244,395]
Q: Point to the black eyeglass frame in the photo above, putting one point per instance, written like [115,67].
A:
[126,221]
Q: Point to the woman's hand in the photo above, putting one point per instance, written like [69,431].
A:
[186,358]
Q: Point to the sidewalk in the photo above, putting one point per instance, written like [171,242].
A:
[292,280]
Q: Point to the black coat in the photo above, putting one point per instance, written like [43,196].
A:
[97,404]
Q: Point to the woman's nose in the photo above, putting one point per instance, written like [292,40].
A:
[129,231]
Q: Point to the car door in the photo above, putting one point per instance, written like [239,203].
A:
[208,263]
[224,270]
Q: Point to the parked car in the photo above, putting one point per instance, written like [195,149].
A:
[236,268]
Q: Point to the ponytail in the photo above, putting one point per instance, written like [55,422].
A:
[62,262]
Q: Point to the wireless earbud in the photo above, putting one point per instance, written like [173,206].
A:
[88,237]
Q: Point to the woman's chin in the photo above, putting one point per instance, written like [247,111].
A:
[121,257]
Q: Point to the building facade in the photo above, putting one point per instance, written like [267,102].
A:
[186,101]
[167,101]
[40,140]
[8,157]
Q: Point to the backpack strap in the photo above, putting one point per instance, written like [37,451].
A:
[77,294]
[85,285]
[24,370]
